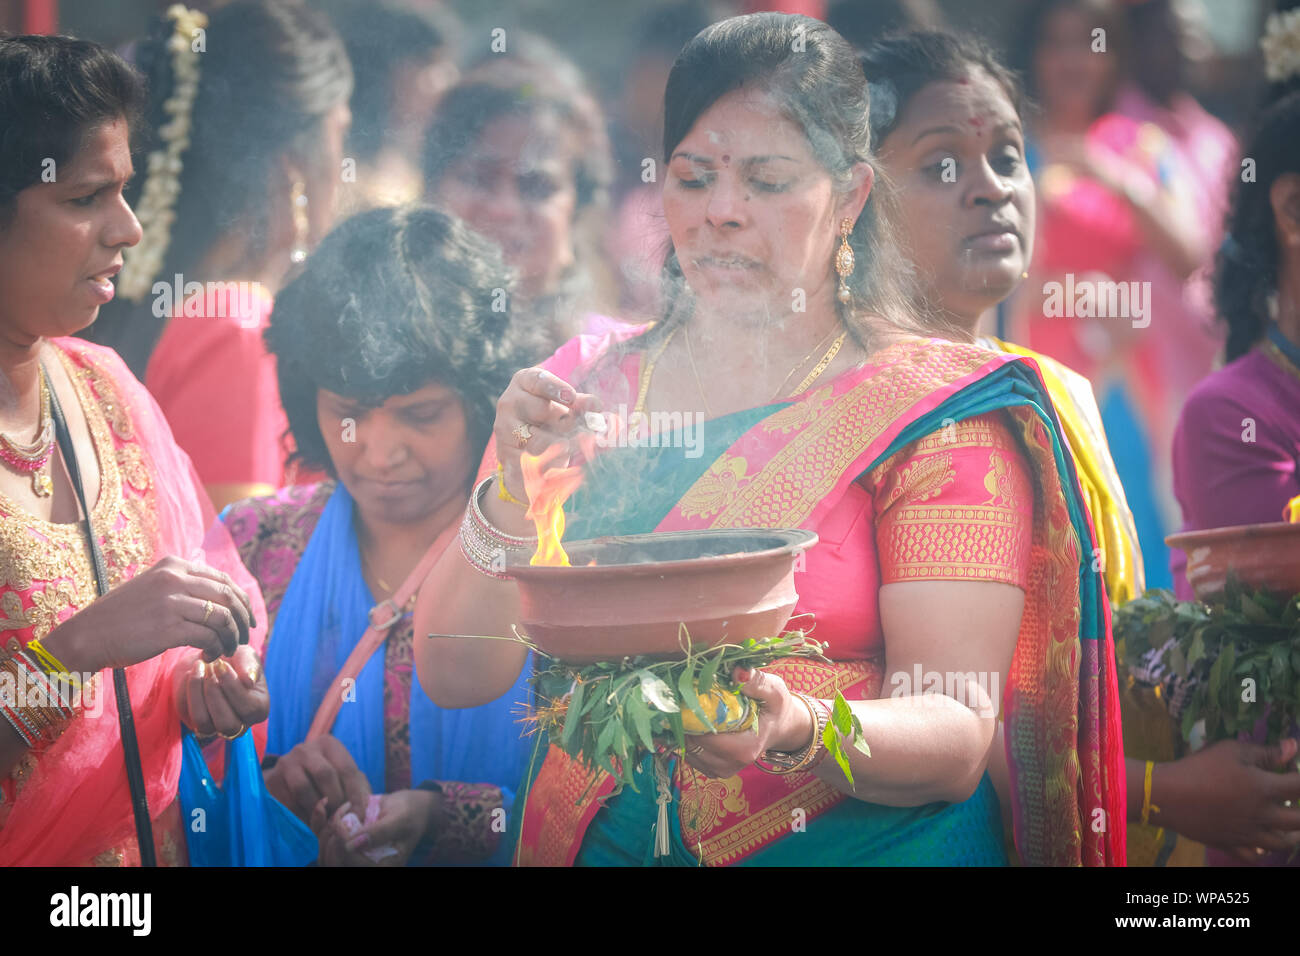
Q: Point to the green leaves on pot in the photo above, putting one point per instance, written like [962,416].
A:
[843,725]
[612,714]
[1241,650]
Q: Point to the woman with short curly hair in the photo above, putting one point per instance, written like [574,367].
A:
[390,356]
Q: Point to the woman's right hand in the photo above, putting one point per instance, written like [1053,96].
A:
[316,770]
[157,610]
[1229,795]
[554,412]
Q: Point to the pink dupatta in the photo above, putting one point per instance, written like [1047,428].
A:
[75,801]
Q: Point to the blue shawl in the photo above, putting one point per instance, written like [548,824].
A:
[321,618]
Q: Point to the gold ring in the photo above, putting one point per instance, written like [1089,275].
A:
[231,736]
[207,611]
[522,432]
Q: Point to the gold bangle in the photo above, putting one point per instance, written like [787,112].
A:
[43,722]
[53,695]
[503,492]
[780,762]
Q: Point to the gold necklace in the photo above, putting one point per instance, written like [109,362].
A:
[820,367]
[699,383]
[368,569]
[779,389]
[638,410]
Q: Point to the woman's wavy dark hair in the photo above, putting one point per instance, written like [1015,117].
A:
[53,91]
[814,75]
[902,64]
[271,71]
[392,300]
[1246,266]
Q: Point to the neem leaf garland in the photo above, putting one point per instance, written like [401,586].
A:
[1241,650]
[611,714]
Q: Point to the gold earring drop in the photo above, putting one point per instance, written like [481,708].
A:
[301,225]
[844,261]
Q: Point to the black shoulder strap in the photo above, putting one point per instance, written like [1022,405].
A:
[125,716]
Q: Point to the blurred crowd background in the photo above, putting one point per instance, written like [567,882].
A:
[1186,74]
[604,38]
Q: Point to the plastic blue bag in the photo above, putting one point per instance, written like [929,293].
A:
[241,824]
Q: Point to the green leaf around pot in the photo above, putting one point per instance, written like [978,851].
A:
[657,693]
[573,717]
[611,714]
[636,703]
[709,673]
[688,696]
[1240,653]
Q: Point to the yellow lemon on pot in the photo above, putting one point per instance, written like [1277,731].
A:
[729,712]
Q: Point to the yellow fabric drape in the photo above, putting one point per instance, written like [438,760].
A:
[1149,733]
[1116,531]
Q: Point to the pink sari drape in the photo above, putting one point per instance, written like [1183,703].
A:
[76,802]
[795,468]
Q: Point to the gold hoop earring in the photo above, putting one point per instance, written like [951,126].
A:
[844,261]
[301,224]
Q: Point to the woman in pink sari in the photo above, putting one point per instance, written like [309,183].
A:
[949,516]
[945,93]
[1118,203]
[179,597]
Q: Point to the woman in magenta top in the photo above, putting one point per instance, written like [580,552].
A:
[1237,446]
[248,152]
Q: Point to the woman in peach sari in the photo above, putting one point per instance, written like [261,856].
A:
[248,147]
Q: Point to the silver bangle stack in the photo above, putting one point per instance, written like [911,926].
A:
[484,545]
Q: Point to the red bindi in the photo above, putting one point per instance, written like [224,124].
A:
[977,123]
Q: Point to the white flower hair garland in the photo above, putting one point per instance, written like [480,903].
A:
[1281,46]
[156,208]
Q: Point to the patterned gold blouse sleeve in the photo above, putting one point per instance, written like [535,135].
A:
[957,505]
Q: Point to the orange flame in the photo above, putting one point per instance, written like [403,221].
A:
[1291,512]
[548,489]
